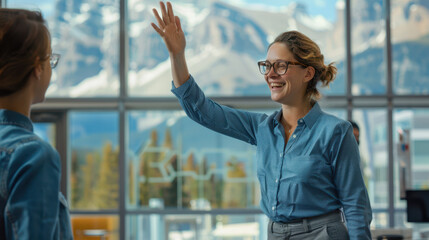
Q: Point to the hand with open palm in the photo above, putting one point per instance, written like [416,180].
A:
[170,29]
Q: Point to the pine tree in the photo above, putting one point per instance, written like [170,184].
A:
[89,182]
[75,181]
[107,191]
[148,190]
[169,189]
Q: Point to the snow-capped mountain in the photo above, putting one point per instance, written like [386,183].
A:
[224,42]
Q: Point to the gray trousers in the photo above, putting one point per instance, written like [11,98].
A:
[325,227]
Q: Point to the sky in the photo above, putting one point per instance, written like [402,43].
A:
[46,6]
[325,8]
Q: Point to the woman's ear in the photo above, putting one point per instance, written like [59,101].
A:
[37,72]
[310,71]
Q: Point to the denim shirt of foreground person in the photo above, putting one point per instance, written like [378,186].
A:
[316,173]
[30,202]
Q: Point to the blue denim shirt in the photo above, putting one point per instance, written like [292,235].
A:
[30,202]
[315,173]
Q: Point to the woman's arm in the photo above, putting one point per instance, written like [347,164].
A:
[232,122]
[33,185]
[350,185]
[171,31]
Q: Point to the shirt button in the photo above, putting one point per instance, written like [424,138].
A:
[294,136]
[274,208]
[277,180]
[281,154]
[300,120]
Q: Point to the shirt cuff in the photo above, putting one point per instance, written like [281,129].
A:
[182,90]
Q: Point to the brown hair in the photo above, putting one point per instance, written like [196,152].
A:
[24,42]
[306,51]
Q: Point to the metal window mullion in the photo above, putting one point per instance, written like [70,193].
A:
[349,70]
[389,84]
[123,74]
[61,144]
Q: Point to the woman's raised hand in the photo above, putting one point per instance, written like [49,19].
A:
[169,29]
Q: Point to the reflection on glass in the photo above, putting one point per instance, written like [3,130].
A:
[225,39]
[45,131]
[86,34]
[416,122]
[373,149]
[410,46]
[203,226]
[95,227]
[368,36]
[94,153]
[174,162]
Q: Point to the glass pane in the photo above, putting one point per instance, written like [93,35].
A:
[94,156]
[340,113]
[411,144]
[46,131]
[203,226]
[368,43]
[86,34]
[380,220]
[416,230]
[373,149]
[87,227]
[225,39]
[410,39]
[175,163]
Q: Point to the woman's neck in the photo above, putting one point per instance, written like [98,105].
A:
[291,113]
[19,102]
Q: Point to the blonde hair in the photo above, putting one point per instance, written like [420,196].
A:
[306,51]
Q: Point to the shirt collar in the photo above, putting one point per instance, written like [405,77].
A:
[312,116]
[8,117]
[309,119]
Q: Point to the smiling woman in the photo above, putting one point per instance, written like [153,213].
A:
[303,154]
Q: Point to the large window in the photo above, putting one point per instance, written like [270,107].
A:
[229,39]
[175,163]
[135,167]
[86,34]
[94,160]
[410,43]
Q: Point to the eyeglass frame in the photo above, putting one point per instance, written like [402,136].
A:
[275,66]
[54,59]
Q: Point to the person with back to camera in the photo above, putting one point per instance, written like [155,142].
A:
[31,204]
[307,160]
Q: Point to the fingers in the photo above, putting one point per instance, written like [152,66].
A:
[167,18]
[164,13]
[158,19]
[170,12]
[179,26]
[157,29]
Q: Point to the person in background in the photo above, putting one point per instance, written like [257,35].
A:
[307,160]
[356,131]
[31,205]
[366,171]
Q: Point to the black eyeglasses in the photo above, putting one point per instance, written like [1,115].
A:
[53,59]
[280,67]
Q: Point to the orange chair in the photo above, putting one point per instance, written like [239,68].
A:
[97,227]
